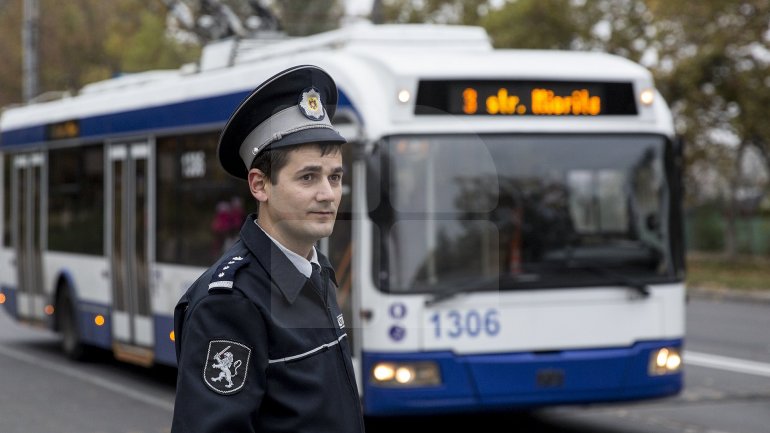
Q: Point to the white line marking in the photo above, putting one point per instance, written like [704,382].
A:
[726,363]
[96,381]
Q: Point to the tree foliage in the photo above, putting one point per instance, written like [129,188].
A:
[10,52]
[82,41]
[302,17]
[138,40]
[714,68]
[532,24]
[468,12]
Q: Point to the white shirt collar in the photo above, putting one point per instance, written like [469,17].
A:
[303,265]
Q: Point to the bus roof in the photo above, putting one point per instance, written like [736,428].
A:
[369,59]
[523,64]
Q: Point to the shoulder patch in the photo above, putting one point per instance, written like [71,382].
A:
[227,363]
[224,275]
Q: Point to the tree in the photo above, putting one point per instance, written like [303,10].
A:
[138,38]
[714,70]
[468,12]
[82,41]
[532,24]
[302,17]
[10,52]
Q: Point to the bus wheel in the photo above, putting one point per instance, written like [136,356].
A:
[71,343]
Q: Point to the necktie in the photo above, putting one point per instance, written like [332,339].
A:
[317,280]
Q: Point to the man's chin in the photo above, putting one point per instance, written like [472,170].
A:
[320,231]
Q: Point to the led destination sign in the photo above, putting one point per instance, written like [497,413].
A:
[525,98]
[62,130]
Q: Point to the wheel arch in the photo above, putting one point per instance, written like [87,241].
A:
[65,286]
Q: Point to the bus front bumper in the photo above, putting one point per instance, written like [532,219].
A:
[477,383]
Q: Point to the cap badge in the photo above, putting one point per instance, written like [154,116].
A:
[310,104]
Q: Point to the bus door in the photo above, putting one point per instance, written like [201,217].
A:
[27,182]
[128,235]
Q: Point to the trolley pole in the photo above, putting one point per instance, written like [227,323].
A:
[29,37]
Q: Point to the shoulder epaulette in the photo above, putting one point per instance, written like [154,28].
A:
[223,277]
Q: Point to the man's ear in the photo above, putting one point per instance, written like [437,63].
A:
[259,185]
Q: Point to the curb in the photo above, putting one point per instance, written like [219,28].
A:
[747,296]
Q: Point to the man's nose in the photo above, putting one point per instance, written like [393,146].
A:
[325,191]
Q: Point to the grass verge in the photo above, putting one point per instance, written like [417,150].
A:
[714,271]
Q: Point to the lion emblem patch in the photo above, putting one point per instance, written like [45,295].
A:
[226,366]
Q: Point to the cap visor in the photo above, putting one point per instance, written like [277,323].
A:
[311,135]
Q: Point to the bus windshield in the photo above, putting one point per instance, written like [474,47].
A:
[486,212]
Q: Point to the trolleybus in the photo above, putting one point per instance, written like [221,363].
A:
[510,233]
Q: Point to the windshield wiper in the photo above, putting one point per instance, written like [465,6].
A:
[616,278]
[468,286]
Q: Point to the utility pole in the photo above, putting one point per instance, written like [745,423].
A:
[377,16]
[29,37]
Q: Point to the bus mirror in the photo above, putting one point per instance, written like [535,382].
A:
[377,196]
[347,124]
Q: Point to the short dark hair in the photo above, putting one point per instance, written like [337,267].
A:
[271,161]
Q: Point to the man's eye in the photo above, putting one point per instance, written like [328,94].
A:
[335,177]
[307,177]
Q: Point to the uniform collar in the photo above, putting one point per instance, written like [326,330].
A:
[303,264]
[283,273]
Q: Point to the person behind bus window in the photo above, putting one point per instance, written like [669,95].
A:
[261,342]
[220,228]
[235,217]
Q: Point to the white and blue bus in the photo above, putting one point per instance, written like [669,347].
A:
[510,233]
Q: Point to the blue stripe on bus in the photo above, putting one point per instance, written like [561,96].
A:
[504,381]
[164,347]
[10,304]
[207,111]
[101,336]
[199,111]
[90,332]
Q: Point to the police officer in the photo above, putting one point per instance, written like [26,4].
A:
[260,340]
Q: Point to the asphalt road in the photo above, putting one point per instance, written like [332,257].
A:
[727,388]
[41,391]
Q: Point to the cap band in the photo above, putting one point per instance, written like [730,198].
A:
[282,123]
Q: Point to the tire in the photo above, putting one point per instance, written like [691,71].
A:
[71,343]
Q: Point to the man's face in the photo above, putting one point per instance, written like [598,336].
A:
[302,205]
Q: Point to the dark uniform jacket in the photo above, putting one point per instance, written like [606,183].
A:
[260,348]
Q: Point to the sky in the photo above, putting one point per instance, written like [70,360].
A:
[358,7]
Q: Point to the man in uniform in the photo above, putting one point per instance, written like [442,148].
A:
[265,316]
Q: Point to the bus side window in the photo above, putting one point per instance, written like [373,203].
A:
[200,208]
[6,203]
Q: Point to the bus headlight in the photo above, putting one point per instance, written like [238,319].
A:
[647,97]
[406,374]
[665,361]
[404,96]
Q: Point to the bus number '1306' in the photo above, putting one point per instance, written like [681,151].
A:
[470,323]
